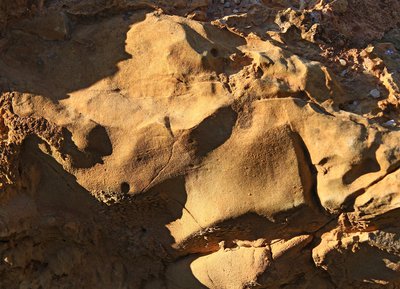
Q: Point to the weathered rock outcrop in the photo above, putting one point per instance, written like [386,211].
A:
[199,144]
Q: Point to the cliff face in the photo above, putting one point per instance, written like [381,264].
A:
[199,144]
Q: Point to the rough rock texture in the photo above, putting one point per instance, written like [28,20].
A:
[199,144]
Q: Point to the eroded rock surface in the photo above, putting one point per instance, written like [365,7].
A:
[199,144]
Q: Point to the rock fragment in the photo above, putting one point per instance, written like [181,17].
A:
[342,62]
[375,93]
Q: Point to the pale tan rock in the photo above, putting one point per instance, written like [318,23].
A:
[214,270]
[229,187]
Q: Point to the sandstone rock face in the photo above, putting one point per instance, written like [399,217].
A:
[196,144]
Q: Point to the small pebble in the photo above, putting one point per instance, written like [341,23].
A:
[389,52]
[375,93]
[227,5]
[235,11]
[354,105]
[8,260]
[342,62]
[390,123]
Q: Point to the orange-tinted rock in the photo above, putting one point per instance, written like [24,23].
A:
[199,144]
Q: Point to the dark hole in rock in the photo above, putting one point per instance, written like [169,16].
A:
[214,52]
[125,187]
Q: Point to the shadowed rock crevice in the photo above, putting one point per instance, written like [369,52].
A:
[98,146]
[213,131]
[367,165]
[308,173]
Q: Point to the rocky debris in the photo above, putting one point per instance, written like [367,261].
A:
[342,62]
[199,144]
[375,93]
